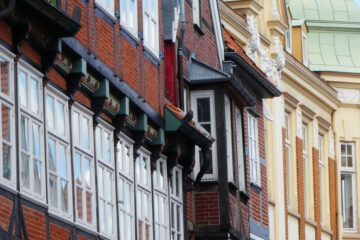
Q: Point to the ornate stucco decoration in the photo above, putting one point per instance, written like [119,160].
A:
[348,95]
[278,61]
[299,122]
[266,63]
[254,41]
[275,11]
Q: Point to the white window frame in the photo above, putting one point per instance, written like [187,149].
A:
[304,48]
[109,9]
[288,158]
[59,141]
[305,159]
[33,118]
[105,128]
[176,201]
[253,143]
[322,177]
[194,96]
[145,189]
[229,142]
[127,176]
[125,16]
[254,237]
[160,185]
[196,12]
[240,149]
[78,148]
[152,45]
[8,101]
[288,37]
[349,171]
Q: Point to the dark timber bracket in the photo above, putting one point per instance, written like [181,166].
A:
[76,76]
[122,116]
[100,97]
[140,130]
[157,147]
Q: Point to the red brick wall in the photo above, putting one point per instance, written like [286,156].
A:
[35,223]
[189,206]
[333,198]
[207,208]
[5,212]
[317,204]
[5,33]
[58,233]
[300,187]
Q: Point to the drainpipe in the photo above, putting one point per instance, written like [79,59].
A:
[5,12]
[180,54]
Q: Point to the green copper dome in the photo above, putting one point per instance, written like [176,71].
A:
[334,33]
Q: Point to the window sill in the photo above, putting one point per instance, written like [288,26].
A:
[134,35]
[294,213]
[62,217]
[326,229]
[310,221]
[87,228]
[244,197]
[36,200]
[256,186]
[151,55]
[106,13]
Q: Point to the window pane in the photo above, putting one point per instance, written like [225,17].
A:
[89,207]
[52,162]
[107,185]
[25,177]
[79,202]
[101,182]
[4,76]
[127,198]
[60,117]
[53,191]
[64,195]
[62,161]
[144,173]
[87,173]
[76,127]
[24,133]
[85,134]
[107,151]
[203,109]
[127,161]
[37,176]
[98,142]
[109,218]
[5,120]
[102,215]
[77,168]
[36,140]
[34,95]
[22,88]
[347,200]
[6,161]
[50,112]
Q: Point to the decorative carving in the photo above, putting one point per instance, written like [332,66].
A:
[299,122]
[280,57]
[63,63]
[266,63]
[151,133]
[254,41]
[112,106]
[275,11]
[91,83]
[348,95]
[132,119]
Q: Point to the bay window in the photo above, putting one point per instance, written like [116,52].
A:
[160,200]
[59,175]
[128,15]
[143,195]
[203,105]
[7,116]
[176,204]
[125,163]
[240,150]
[348,185]
[253,142]
[229,147]
[83,152]
[151,25]
[32,167]
[104,140]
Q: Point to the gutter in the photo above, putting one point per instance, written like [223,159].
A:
[5,12]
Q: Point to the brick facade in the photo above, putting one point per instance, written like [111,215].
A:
[333,198]
[317,203]
[300,186]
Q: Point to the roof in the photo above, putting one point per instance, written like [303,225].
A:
[203,73]
[336,11]
[258,79]
[334,51]
[176,121]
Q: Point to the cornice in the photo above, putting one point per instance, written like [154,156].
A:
[305,75]
[290,100]
[323,123]
[307,111]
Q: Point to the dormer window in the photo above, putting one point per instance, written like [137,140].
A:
[304,48]
[288,38]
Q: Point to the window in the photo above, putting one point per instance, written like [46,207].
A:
[253,142]
[322,177]
[240,150]
[229,147]
[128,15]
[125,160]
[288,38]
[196,12]
[306,174]
[143,196]
[160,200]
[82,130]
[288,158]
[106,180]
[7,117]
[107,5]
[59,177]
[304,48]
[202,103]
[176,204]
[151,25]
[348,186]
[32,167]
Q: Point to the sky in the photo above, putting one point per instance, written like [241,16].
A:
[357,2]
